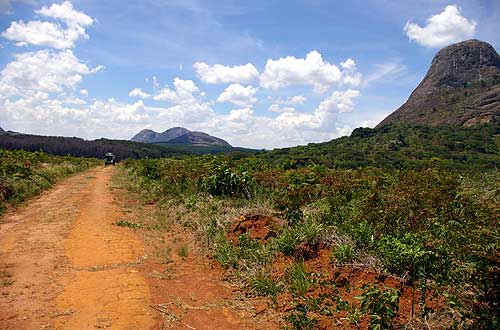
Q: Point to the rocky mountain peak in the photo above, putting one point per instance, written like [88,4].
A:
[463,63]
[461,87]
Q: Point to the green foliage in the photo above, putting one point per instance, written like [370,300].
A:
[381,305]
[299,319]
[344,253]
[264,285]
[222,180]
[405,253]
[399,147]
[290,238]
[423,202]
[298,279]
[24,174]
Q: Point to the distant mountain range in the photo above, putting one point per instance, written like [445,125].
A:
[180,136]
[174,142]
[461,88]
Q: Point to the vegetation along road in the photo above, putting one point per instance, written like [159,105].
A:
[66,264]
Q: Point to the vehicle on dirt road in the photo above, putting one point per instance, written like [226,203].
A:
[109,159]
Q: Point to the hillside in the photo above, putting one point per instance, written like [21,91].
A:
[461,88]
[199,138]
[2,131]
[399,146]
[58,145]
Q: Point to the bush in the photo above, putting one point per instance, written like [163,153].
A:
[382,306]
[298,279]
[344,253]
[264,285]
[222,180]
[24,174]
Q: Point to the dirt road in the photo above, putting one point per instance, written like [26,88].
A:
[65,265]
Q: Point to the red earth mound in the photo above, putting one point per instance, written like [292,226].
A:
[258,226]
[342,283]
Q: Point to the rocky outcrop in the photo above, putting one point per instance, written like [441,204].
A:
[199,139]
[462,87]
[150,136]
[179,135]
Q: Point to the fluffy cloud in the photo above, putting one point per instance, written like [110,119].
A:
[442,29]
[297,99]
[243,115]
[51,34]
[350,74]
[324,116]
[339,102]
[311,70]
[217,74]
[279,105]
[239,95]
[276,107]
[137,92]
[43,71]
[241,127]
[185,91]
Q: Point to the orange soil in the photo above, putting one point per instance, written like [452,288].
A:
[260,227]
[64,265]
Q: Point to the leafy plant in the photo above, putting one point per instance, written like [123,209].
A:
[222,180]
[300,320]
[381,305]
[344,253]
[298,279]
[264,285]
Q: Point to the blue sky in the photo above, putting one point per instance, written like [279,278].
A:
[259,74]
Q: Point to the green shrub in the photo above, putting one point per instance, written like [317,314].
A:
[298,279]
[222,180]
[344,253]
[288,240]
[24,174]
[382,306]
[300,320]
[264,285]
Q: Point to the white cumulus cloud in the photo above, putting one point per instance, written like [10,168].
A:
[184,92]
[217,74]
[297,99]
[276,107]
[244,114]
[42,71]
[239,95]
[284,105]
[324,116]
[51,34]
[442,29]
[137,92]
[114,119]
[311,70]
